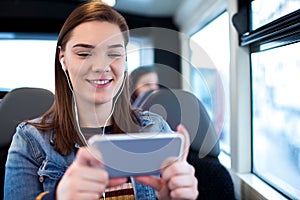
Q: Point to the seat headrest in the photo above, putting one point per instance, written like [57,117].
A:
[178,106]
[21,104]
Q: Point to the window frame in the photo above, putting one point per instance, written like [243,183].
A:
[277,33]
[280,32]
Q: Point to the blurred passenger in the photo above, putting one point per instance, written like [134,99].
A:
[143,79]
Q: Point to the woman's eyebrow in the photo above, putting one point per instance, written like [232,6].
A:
[115,46]
[84,45]
[93,47]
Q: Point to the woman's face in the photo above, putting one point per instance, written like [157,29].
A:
[147,82]
[95,60]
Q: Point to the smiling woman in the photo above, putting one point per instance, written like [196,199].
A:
[91,97]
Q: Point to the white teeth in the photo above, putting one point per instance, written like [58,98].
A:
[100,82]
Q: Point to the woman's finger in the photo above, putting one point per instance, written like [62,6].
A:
[181,129]
[87,157]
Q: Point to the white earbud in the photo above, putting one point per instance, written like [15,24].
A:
[62,64]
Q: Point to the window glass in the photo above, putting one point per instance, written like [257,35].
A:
[139,52]
[276,117]
[133,56]
[264,12]
[210,78]
[27,63]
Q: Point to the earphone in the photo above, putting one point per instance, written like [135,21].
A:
[62,64]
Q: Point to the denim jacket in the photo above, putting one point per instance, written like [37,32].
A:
[33,166]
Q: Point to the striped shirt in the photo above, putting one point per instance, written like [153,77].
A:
[120,192]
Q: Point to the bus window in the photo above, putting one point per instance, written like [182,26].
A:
[211,83]
[27,61]
[276,117]
[264,12]
[139,52]
[274,69]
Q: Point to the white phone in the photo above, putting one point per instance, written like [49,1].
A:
[135,154]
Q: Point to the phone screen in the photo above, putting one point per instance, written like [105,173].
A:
[132,155]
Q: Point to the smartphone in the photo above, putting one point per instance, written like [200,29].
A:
[136,154]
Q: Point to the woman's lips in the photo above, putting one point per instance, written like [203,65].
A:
[100,83]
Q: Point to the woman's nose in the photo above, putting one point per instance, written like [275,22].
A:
[101,65]
[101,69]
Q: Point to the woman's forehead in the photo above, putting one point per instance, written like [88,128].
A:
[97,33]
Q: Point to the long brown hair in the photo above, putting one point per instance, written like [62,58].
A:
[60,116]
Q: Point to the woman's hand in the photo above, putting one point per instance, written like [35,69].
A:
[177,178]
[85,178]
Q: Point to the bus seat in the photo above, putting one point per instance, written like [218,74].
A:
[17,105]
[178,106]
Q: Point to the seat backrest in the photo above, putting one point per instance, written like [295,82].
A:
[18,105]
[179,106]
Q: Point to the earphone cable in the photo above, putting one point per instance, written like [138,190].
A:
[114,104]
[81,136]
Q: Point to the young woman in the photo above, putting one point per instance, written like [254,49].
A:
[49,157]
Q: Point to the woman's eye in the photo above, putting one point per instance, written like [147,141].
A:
[114,55]
[86,54]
